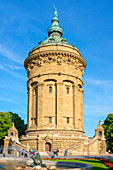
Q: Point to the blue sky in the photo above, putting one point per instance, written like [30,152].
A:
[87,24]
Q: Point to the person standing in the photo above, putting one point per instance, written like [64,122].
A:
[66,152]
[55,154]
[3,153]
[19,152]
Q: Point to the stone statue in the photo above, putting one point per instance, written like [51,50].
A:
[37,160]
[55,12]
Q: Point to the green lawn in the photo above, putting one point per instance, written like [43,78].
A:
[97,164]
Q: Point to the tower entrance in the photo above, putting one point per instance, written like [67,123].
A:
[47,147]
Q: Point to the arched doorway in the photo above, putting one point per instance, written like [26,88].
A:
[100,134]
[47,146]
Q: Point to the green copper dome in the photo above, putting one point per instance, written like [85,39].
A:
[55,33]
[55,28]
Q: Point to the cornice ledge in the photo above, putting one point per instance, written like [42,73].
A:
[54,53]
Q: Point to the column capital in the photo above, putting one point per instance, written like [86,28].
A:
[41,84]
[75,86]
[59,83]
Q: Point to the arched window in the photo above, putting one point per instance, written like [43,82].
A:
[80,86]
[67,89]
[50,119]
[67,119]
[11,133]
[100,134]
[50,89]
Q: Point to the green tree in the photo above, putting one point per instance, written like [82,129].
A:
[19,124]
[108,127]
[5,124]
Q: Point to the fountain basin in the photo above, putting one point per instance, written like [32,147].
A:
[10,163]
[68,165]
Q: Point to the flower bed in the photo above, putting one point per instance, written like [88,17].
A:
[107,162]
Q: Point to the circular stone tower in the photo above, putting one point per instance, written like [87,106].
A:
[55,95]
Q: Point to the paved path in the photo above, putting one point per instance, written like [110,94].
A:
[13,157]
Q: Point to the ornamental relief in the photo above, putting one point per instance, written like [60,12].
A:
[59,59]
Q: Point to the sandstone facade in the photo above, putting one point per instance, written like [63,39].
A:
[55,97]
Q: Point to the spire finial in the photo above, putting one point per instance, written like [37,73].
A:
[55,28]
[99,122]
[13,124]
[55,11]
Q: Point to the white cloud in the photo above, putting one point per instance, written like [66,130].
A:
[99,82]
[20,111]
[99,108]
[14,67]
[7,100]
[12,73]
[10,55]
[12,88]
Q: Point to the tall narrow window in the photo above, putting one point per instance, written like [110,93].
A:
[50,119]
[50,89]
[67,89]
[11,133]
[67,119]
[100,134]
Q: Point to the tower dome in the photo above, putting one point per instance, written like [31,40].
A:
[55,29]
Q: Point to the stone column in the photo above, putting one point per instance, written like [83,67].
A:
[76,110]
[34,107]
[40,115]
[73,105]
[81,107]
[29,114]
[6,143]
[37,106]
[59,104]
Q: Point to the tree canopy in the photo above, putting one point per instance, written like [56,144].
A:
[19,124]
[108,127]
[6,118]
[5,124]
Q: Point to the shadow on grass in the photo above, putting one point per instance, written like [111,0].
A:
[97,164]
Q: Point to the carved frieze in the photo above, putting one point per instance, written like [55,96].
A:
[59,58]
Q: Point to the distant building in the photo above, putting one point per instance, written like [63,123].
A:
[55,98]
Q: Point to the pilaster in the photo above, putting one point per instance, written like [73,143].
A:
[81,107]
[74,106]
[40,105]
[76,119]
[59,105]
[34,107]
[29,114]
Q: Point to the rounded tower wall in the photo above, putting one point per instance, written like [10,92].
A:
[54,86]
[55,95]
[39,60]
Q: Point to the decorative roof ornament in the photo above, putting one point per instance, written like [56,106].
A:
[55,12]
[55,33]
[55,28]
[99,122]
[13,124]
